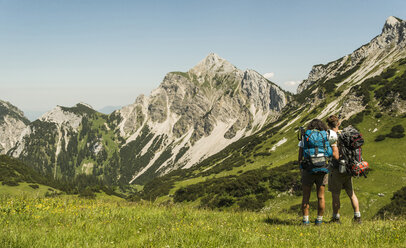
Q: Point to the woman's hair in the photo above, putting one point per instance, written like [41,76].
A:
[332,121]
[317,124]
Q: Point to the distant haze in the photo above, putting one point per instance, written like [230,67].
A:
[109,109]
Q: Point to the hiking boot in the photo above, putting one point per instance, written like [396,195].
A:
[318,222]
[335,220]
[357,220]
[305,223]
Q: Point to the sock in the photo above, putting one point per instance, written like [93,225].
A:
[357,214]
[319,218]
[305,218]
[336,216]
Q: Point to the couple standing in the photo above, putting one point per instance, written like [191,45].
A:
[336,180]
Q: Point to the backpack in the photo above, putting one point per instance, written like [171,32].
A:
[316,152]
[350,143]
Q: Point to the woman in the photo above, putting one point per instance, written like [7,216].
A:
[306,151]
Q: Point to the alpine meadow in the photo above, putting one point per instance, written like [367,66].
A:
[209,159]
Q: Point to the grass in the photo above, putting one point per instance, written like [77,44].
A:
[24,188]
[73,222]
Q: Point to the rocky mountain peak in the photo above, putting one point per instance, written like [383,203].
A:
[63,116]
[391,41]
[7,108]
[213,64]
[392,21]
[394,30]
[84,104]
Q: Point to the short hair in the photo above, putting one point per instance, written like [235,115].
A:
[333,121]
[317,124]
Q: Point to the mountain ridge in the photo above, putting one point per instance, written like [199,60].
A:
[261,170]
[193,115]
[189,116]
[391,41]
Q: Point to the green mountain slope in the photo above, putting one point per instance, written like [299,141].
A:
[190,116]
[17,178]
[261,170]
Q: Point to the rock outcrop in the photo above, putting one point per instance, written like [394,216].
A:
[12,125]
[201,111]
[375,56]
[190,116]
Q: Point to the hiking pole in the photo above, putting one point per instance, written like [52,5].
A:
[300,134]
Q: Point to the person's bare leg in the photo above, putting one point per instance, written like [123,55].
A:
[321,201]
[305,201]
[336,202]
[355,206]
[354,200]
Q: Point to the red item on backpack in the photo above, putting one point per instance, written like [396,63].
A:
[360,168]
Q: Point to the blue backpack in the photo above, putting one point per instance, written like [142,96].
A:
[316,152]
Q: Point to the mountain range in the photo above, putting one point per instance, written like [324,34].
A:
[211,120]
[189,117]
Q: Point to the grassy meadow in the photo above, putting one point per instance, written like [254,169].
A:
[69,221]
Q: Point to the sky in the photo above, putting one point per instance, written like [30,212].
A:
[106,53]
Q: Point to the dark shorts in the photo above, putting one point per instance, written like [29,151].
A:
[309,179]
[338,181]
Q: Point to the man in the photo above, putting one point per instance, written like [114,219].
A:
[337,180]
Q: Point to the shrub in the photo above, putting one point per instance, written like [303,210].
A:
[380,138]
[354,120]
[263,154]
[34,186]
[378,115]
[397,86]
[402,61]
[220,201]
[250,203]
[397,206]
[10,183]
[396,135]
[398,129]
[389,73]
[263,184]
[397,132]
[52,193]
[87,193]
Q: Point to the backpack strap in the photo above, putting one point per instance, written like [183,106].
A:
[359,154]
[324,143]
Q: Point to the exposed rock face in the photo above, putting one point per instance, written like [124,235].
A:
[190,116]
[50,144]
[214,101]
[351,105]
[381,52]
[62,118]
[12,125]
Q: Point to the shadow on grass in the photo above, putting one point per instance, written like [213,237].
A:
[277,221]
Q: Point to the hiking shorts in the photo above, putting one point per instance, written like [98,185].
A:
[338,181]
[309,179]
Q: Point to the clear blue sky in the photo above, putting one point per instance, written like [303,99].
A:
[108,52]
